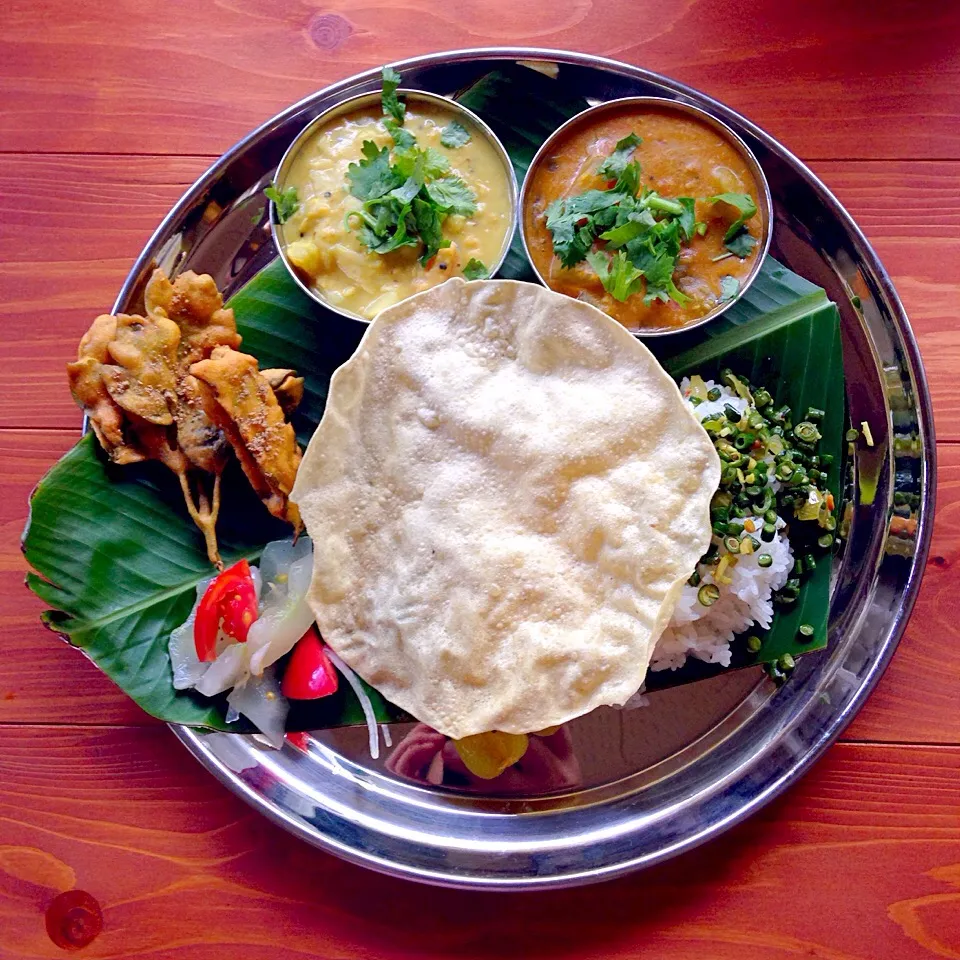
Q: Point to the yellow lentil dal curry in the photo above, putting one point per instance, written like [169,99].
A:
[383,205]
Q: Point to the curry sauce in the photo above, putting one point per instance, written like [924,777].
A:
[329,255]
[679,156]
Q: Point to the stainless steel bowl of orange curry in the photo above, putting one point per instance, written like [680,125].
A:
[652,210]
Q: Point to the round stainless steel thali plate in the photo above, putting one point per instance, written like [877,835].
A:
[630,788]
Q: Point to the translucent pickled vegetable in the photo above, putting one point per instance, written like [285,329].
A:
[284,614]
[260,701]
[281,584]
[187,668]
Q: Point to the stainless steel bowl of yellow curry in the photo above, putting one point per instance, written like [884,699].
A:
[650,209]
[386,195]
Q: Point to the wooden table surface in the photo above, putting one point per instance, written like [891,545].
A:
[107,112]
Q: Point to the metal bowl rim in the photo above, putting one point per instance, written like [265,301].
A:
[913,366]
[360,101]
[729,134]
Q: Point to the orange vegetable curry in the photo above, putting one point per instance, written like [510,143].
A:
[679,156]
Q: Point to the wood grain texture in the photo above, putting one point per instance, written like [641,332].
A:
[43,680]
[910,212]
[918,698]
[883,84]
[59,269]
[194,874]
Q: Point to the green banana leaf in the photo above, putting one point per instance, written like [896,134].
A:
[117,559]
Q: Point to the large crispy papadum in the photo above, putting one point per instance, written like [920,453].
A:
[506,494]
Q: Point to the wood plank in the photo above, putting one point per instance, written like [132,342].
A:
[71,229]
[58,208]
[910,212]
[860,861]
[189,78]
[43,680]
[54,278]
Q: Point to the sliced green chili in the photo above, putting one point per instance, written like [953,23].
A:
[708,594]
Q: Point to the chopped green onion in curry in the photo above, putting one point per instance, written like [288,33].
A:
[772,476]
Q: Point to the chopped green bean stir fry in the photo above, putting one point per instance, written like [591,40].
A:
[773,480]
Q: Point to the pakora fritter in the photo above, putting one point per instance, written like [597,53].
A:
[134,379]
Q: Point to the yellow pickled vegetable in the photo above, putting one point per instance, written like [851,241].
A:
[698,388]
[741,390]
[487,755]
[810,508]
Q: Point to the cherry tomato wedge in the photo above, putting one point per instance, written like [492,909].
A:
[309,674]
[231,599]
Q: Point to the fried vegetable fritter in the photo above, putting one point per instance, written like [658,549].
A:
[238,398]
[194,303]
[287,387]
[133,379]
[143,376]
[89,389]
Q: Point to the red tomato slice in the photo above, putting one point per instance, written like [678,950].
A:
[309,674]
[231,598]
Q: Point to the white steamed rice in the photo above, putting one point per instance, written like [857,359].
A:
[706,632]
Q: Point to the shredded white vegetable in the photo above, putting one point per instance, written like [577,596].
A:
[365,703]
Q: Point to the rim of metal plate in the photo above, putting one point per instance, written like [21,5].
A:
[764,745]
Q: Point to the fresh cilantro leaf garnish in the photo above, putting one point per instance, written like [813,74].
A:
[657,263]
[628,182]
[646,230]
[475,270]
[744,205]
[386,225]
[454,135]
[373,176]
[452,195]
[428,220]
[636,225]
[614,165]
[688,219]
[392,107]
[667,235]
[741,244]
[408,191]
[286,202]
[574,222]
[402,139]
[729,288]
[435,164]
[591,201]
[653,201]
[573,234]
[620,278]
